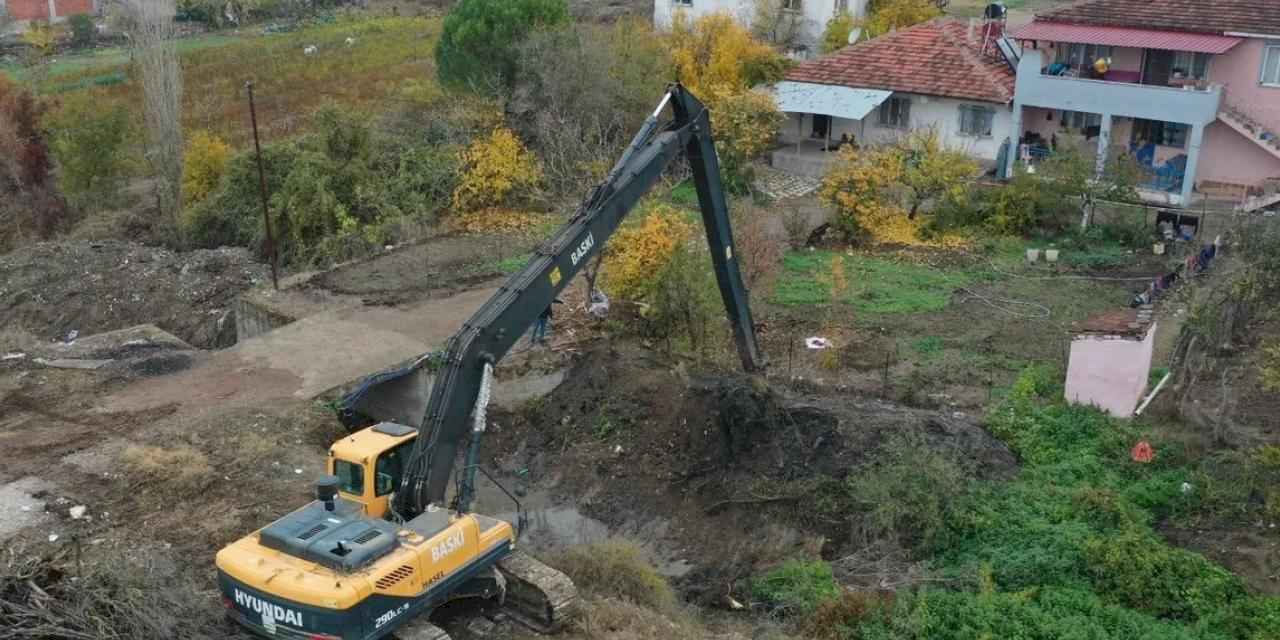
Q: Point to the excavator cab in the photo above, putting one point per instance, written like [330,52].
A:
[369,465]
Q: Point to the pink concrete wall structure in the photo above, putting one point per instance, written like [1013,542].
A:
[1110,372]
[1227,156]
[1240,71]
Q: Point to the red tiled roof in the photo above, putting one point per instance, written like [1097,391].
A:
[1120,322]
[1125,37]
[1200,16]
[933,58]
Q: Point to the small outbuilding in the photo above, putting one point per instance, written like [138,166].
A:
[1110,360]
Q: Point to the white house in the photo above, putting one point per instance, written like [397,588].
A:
[946,74]
[809,17]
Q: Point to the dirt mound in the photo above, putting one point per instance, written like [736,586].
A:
[53,288]
[724,469]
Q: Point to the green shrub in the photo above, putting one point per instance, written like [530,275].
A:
[335,194]
[685,195]
[1105,509]
[89,141]
[1227,484]
[685,300]
[478,45]
[232,214]
[1066,549]
[83,30]
[909,492]
[616,568]
[1052,613]
[839,618]
[1141,571]
[796,587]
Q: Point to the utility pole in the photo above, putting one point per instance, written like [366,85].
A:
[262,184]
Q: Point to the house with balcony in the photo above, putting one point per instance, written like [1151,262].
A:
[946,74]
[1190,89]
[800,22]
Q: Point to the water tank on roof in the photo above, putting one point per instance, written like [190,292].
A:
[995,11]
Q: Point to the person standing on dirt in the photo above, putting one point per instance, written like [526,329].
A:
[544,321]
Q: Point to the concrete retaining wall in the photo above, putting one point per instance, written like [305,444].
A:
[254,320]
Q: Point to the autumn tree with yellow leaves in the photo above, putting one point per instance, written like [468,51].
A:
[639,252]
[879,192]
[884,16]
[720,62]
[859,186]
[931,171]
[714,56]
[495,168]
[203,166]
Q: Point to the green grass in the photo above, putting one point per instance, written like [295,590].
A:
[928,346]
[106,57]
[685,195]
[513,264]
[1068,549]
[391,58]
[875,285]
[795,587]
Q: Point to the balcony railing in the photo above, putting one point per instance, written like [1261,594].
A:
[1190,104]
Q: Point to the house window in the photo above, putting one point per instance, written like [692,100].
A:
[1079,55]
[895,112]
[976,121]
[790,5]
[1190,65]
[1169,134]
[683,3]
[1271,65]
[1080,120]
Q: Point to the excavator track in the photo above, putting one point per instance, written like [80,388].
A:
[538,596]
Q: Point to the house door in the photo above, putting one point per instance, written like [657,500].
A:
[1158,67]
[821,126]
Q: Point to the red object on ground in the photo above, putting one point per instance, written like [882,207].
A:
[1142,452]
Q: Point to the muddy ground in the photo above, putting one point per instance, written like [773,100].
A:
[698,462]
[713,472]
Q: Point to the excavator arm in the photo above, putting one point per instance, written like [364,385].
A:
[504,318]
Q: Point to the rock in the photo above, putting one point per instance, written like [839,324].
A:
[77,511]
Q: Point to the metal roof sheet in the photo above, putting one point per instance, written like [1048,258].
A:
[1126,37]
[827,99]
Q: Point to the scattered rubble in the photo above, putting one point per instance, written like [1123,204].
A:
[63,290]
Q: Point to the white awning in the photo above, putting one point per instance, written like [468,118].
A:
[827,99]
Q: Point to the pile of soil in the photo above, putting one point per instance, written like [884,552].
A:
[53,288]
[436,266]
[702,464]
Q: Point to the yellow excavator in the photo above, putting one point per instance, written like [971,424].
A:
[380,547]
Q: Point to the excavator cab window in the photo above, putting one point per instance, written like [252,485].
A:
[389,468]
[350,477]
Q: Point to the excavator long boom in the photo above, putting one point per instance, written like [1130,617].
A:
[505,317]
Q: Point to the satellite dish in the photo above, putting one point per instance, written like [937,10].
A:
[854,34]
